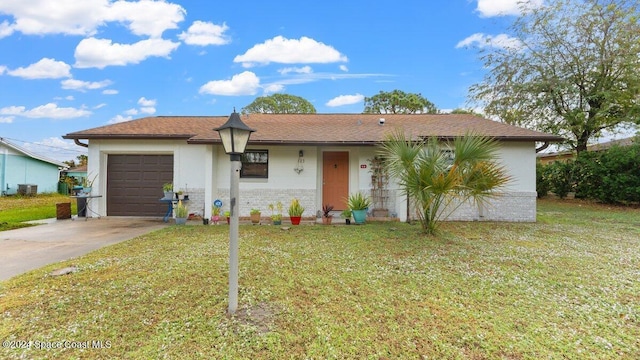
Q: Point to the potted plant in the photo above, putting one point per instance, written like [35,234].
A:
[215,217]
[167,188]
[87,184]
[181,213]
[346,214]
[227,214]
[295,211]
[255,216]
[180,195]
[276,213]
[326,214]
[358,204]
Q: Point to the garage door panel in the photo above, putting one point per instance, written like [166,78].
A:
[134,184]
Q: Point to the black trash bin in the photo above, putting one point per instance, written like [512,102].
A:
[81,202]
[82,207]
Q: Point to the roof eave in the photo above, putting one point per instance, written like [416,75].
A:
[126,136]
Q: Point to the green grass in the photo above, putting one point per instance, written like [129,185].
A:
[565,287]
[15,210]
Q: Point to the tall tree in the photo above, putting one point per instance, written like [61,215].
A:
[280,104]
[575,70]
[82,159]
[398,102]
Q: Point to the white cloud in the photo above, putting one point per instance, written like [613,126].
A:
[50,110]
[489,8]
[100,53]
[118,119]
[110,92]
[246,83]
[146,17]
[6,119]
[72,84]
[345,100]
[5,29]
[39,17]
[99,106]
[147,106]
[44,69]
[205,33]
[502,41]
[290,51]
[273,88]
[55,148]
[2,69]
[344,68]
[148,110]
[297,70]
[147,102]
[73,17]
[68,98]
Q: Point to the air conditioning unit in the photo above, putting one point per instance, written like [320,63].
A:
[27,189]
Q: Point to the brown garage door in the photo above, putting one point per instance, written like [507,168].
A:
[134,184]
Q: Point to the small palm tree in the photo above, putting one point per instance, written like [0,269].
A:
[438,182]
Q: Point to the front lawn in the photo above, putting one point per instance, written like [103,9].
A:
[16,209]
[565,287]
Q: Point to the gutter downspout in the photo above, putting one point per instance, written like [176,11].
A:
[80,143]
[4,173]
[544,146]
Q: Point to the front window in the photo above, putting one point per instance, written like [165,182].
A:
[255,164]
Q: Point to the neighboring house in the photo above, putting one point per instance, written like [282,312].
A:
[79,173]
[21,170]
[549,157]
[75,178]
[317,158]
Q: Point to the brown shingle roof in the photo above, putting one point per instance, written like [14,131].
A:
[312,128]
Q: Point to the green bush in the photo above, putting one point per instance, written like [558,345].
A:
[611,176]
[543,186]
[560,176]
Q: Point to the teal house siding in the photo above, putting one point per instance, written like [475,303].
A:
[18,166]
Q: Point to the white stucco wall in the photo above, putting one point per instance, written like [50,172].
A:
[204,171]
[188,166]
[515,202]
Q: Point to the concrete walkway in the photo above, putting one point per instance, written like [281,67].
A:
[26,249]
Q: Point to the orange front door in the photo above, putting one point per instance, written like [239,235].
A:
[335,179]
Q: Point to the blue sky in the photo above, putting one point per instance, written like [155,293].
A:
[69,65]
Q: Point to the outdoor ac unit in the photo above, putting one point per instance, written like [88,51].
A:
[27,189]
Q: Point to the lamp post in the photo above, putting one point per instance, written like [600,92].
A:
[235,136]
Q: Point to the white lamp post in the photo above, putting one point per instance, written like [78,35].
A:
[235,136]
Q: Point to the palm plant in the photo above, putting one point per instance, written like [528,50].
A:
[181,210]
[438,183]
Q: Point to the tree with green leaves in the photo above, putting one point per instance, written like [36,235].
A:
[464,111]
[438,182]
[279,104]
[398,102]
[574,70]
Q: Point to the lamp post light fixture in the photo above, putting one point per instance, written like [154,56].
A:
[235,136]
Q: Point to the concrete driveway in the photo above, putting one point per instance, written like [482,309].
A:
[26,249]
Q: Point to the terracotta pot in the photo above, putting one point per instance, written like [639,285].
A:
[255,218]
[327,220]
